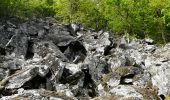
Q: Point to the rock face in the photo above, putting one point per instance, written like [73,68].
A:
[41,59]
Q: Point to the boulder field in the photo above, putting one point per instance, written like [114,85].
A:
[41,59]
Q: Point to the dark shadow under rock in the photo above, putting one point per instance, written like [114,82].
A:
[64,75]
[162,97]
[127,80]
[2,51]
[8,92]
[89,84]
[30,52]
[35,83]
[75,52]
[62,48]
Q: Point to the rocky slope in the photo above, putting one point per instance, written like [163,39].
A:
[43,60]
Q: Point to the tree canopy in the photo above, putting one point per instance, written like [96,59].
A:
[138,18]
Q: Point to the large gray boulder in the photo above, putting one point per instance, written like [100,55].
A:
[17,80]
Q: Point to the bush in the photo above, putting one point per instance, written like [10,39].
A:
[26,8]
[141,18]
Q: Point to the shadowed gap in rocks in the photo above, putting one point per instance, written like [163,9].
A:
[89,84]
[75,51]
[123,79]
[39,82]
[30,52]
[2,51]
[62,48]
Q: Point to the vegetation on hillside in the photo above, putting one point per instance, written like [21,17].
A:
[139,18]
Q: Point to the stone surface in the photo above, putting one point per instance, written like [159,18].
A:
[125,92]
[17,80]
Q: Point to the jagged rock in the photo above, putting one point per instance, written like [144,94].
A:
[101,90]
[12,63]
[75,50]
[123,43]
[138,57]
[73,68]
[161,79]
[150,48]
[158,66]
[3,73]
[73,28]
[60,36]
[114,81]
[117,59]
[149,41]
[97,42]
[64,88]
[39,94]
[74,78]
[45,47]
[142,80]
[20,43]
[97,66]
[17,80]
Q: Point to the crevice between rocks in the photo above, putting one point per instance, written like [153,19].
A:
[29,53]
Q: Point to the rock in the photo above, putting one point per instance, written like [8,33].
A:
[101,90]
[44,48]
[74,79]
[73,68]
[123,43]
[41,33]
[64,88]
[13,63]
[73,28]
[3,73]
[17,80]
[97,67]
[110,97]
[60,37]
[125,92]
[38,94]
[98,44]
[114,81]
[75,52]
[142,80]
[19,42]
[117,59]
[161,79]
[138,57]
[150,48]
[149,41]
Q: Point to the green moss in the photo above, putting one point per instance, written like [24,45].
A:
[122,71]
[136,78]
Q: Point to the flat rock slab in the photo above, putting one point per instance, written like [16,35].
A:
[17,80]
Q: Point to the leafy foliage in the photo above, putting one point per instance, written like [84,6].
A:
[140,18]
[26,8]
